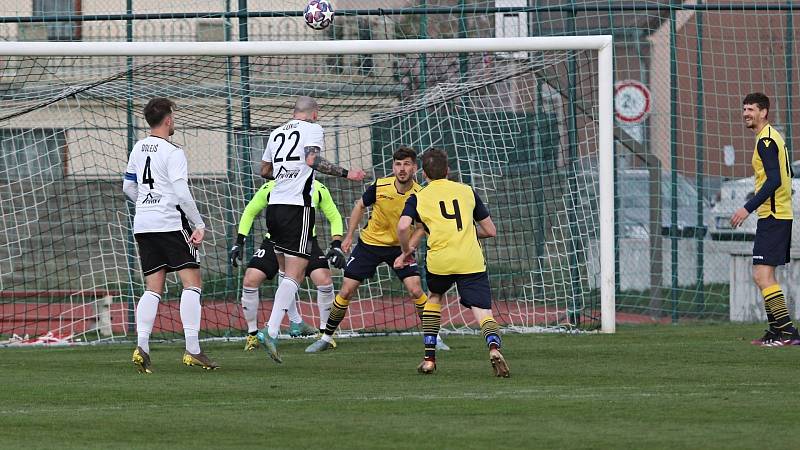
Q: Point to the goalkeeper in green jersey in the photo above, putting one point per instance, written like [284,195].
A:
[264,265]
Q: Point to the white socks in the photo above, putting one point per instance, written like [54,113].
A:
[284,297]
[250,302]
[146,311]
[190,317]
[324,302]
[292,312]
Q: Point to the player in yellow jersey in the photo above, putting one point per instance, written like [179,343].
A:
[377,242]
[773,204]
[447,211]
[264,264]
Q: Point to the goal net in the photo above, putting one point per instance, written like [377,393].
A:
[523,121]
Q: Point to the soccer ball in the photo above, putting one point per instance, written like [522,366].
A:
[318,14]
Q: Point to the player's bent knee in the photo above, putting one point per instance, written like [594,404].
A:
[253,277]
[322,277]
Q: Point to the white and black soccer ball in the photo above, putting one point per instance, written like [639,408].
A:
[318,14]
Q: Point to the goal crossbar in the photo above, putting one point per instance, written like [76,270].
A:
[351,47]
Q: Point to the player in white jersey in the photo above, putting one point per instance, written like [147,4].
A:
[156,180]
[292,156]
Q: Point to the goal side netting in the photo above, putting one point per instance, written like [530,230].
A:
[526,122]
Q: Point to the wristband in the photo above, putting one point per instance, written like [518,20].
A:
[344,173]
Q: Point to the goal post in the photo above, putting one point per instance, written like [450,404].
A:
[545,169]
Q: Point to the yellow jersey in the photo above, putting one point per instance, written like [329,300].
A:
[448,211]
[771,156]
[386,205]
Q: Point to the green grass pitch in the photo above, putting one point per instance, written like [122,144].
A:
[645,387]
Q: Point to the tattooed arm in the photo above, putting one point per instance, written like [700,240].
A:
[322,165]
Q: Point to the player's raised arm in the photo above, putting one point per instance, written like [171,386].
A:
[322,165]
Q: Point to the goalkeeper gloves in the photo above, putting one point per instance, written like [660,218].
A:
[336,255]
[236,251]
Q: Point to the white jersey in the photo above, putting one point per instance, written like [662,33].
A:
[154,164]
[294,179]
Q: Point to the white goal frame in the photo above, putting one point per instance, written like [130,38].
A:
[603,44]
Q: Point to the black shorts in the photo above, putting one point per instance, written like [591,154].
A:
[365,258]
[264,259]
[290,229]
[773,241]
[473,288]
[168,250]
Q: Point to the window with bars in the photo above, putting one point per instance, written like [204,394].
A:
[60,31]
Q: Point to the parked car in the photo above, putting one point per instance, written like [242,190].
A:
[633,215]
[633,208]
[733,195]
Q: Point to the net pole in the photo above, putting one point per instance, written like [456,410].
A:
[131,139]
[605,87]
